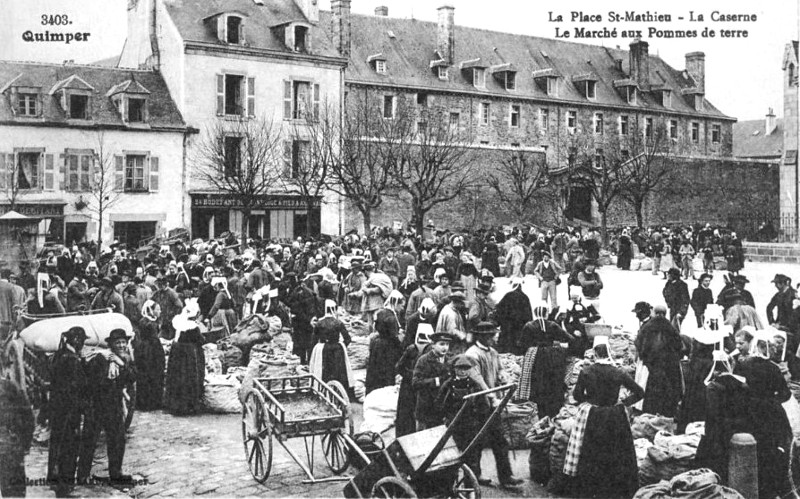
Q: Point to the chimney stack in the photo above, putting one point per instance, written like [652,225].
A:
[770,122]
[640,64]
[382,11]
[340,26]
[446,33]
[696,67]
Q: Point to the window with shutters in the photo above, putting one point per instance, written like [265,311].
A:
[294,153]
[135,173]
[301,100]
[78,171]
[28,172]
[233,95]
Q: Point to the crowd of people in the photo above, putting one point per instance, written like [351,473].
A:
[438,331]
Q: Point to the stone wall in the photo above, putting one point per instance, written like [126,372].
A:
[772,252]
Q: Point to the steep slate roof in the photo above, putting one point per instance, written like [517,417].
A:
[162,111]
[751,141]
[189,15]
[409,52]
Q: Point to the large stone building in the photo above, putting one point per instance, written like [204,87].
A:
[64,128]
[236,60]
[506,90]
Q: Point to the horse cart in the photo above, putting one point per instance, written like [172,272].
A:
[427,463]
[298,406]
[27,353]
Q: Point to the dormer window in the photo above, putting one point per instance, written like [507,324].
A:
[587,84]
[698,102]
[630,93]
[79,107]
[663,96]
[130,98]
[442,72]
[591,89]
[233,31]
[506,75]
[380,67]
[547,81]
[28,104]
[300,39]
[479,77]
[378,63]
[627,90]
[510,80]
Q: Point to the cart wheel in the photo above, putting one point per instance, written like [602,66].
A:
[334,446]
[390,486]
[257,437]
[465,485]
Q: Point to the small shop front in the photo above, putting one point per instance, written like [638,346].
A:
[50,214]
[274,216]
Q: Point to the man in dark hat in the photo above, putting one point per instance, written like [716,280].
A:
[779,309]
[676,294]
[112,374]
[702,297]
[68,402]
[431,371]
[485,358]
[734,284]
[108,297]
[643,311]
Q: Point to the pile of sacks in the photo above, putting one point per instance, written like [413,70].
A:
[380,409]
[511,365]
[255,329]
[669,455]
[641,262]
[517,421]
[221,394]
[623,351]
[353,323]
[273,362]
[695,484]
[358,351]
[562,429]
[539,437]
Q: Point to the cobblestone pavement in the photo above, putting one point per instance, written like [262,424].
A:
[203,455]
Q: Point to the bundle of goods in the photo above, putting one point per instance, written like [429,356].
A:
[670,455]
[213,362]
[605,258]
[511,365]
[720,263]
[255,329]
[517,421]
[694,484]
[353,323]
[360,389]
[538,438]
[221,394]
[275,362]
[283,338]
[230,355]
[623,351]
[358,351]
[380,409]
[562,428]
[647,425]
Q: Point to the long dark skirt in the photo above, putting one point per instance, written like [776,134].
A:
[185,375]
[150,361]
[607,465]
[334,364]
[663,390]
[406,401]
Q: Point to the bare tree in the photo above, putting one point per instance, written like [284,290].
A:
[434,163]
[520,180]
[567,156]
[645,161]
[106,189]
[241,159]
[604,176]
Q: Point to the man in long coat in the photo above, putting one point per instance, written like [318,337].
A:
[659,346]
[513,312]
[676,294]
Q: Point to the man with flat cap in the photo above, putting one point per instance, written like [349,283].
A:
[111,374]
[68,403]
[485,358]
[431,371]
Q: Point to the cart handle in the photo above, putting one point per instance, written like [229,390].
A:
[491,390]
[495,414]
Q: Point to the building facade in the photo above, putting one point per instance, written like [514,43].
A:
[790,180]
[243,60]
[505,90]
[71,134]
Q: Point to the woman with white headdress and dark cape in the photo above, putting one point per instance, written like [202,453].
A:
[187,363]
[329,359]
[150,359]
[600,455]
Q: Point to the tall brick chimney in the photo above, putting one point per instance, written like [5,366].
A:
[382,11]
[770,122]
[446,38]
[340,26]
[696,67]
[640,64]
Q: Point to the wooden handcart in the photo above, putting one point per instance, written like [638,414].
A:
[298,406]
[427,463]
